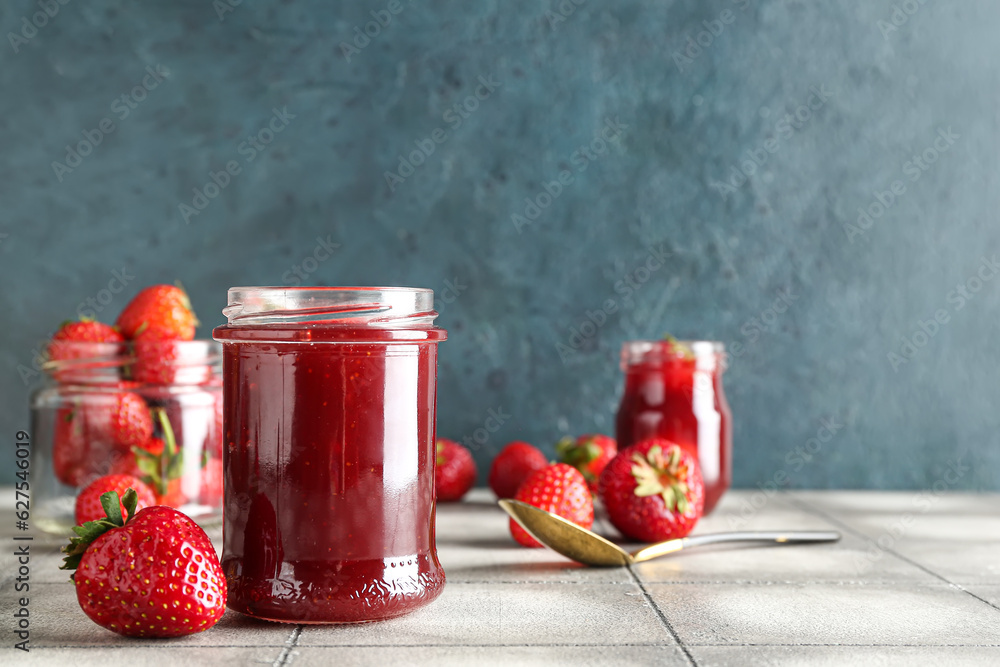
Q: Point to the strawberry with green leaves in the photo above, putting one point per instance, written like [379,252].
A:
[560,489]
[158,463]
[127,463]
[157,321]
[151,573]
[159,312]
[653,491]
[88,502]
[71,340]
[588,454]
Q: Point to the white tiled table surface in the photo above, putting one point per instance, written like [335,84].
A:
[916,580]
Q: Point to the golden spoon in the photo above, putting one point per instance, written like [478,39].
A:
[589,548]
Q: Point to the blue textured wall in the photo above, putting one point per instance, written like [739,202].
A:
[689,117]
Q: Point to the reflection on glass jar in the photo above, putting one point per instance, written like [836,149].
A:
[673,390]
[329,452]
[107,410]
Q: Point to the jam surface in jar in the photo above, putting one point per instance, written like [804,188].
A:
[674,390]
[329,470]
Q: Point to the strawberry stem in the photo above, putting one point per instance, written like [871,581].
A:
[159,469]
[91,530]
[662,475]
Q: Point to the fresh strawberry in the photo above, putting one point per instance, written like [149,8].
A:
[120,419]
[161,464]
[66,342]
[513,465]
[79,453]
[153,446]
[653,491]
[69,446]
[560,489]
[88,503]
[127,463]
[161,312]
[455,472]
[156,360]
[153,574]
[588,454]
[159,360]
[173,495]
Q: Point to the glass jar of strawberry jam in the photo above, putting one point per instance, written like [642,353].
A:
[673,390]
[329,425]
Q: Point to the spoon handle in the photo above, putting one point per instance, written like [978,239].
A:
[783,537]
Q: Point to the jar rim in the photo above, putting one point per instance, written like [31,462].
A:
[694,345]
[191,361]
[392,307]
[670,350]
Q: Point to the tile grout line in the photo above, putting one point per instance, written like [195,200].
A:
[661,616]
[287,652]
[829,517]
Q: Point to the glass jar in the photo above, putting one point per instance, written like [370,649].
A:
[151,409]
[329,426]
[673,390]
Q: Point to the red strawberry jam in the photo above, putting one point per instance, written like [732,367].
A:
[674,390]
[329,430]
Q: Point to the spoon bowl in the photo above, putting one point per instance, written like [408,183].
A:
[587,547]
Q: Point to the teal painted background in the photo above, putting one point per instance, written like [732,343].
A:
[819,179]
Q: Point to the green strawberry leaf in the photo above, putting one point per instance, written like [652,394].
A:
[168,465]
[576,454]
[677,346]
[658,475]
[109,501]
[175,468]
[130,501]
[91,530]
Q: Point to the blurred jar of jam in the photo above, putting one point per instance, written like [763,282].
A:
[673,390]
